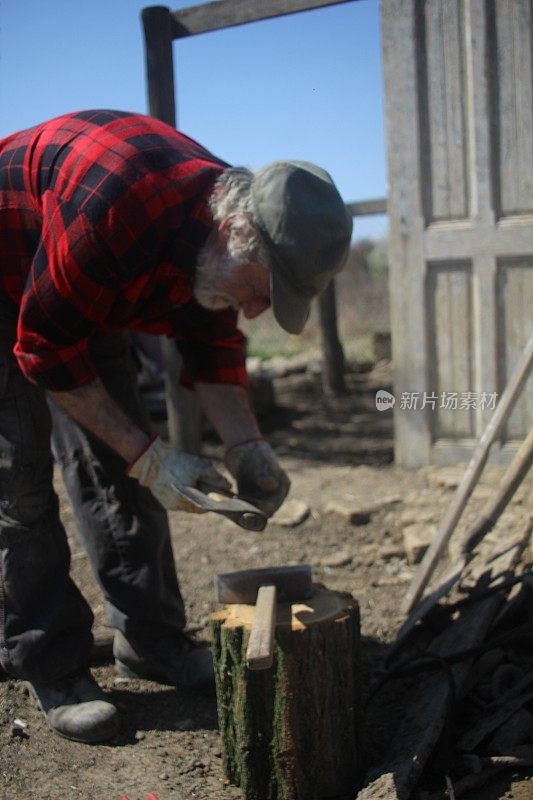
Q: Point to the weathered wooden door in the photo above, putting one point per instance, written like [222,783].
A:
[459,110]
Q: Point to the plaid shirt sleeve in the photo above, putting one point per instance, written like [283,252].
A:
[69,292]
[122,218]
[212,347]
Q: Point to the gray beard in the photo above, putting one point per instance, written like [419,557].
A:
[212,300]
[210,271]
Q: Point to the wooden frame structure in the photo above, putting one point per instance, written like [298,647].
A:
[459,118]
[161,28]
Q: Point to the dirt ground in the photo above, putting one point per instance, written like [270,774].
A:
[340,450]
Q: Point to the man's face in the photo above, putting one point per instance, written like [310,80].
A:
[248,285]
[222,283]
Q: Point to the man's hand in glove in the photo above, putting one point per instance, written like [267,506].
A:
[161,469]
[260,479]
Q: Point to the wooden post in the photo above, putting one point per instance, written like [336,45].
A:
[158,36]
[184,427]
[161,26]
[291,732]
[333,365]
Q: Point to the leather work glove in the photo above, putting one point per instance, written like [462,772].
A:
[161,468]
[260,479]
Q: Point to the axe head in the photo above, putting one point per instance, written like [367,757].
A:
[292,583]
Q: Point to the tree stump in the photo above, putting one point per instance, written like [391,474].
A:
[291,732]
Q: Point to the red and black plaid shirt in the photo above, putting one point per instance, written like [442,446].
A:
[102,216]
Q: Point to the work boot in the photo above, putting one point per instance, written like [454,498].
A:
[188,664]
[76,708]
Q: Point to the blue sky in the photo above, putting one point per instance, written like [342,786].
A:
[305,86]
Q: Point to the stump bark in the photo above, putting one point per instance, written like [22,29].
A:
[291,732]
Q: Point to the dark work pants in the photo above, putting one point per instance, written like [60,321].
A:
[45,623]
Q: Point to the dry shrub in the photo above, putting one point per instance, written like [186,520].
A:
[362,310]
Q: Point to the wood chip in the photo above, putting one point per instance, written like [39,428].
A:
[419,514]
[416,540]
[447,477]
[338,559]
[291,514]
[357,513]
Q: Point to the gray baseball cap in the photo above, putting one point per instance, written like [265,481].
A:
[306,229]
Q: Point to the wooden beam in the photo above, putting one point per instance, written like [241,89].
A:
[229,13]
[360,208]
